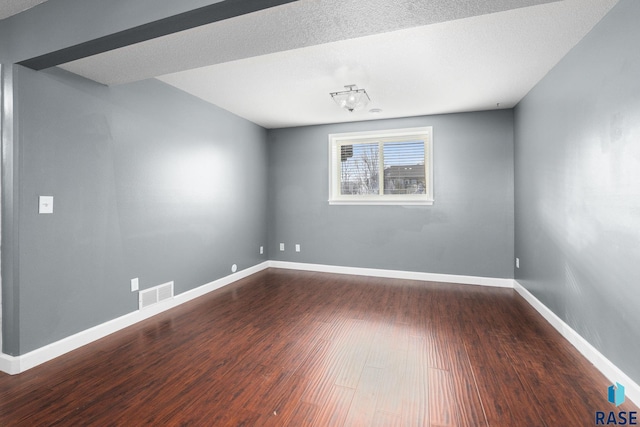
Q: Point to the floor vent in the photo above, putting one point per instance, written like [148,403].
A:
[151,296]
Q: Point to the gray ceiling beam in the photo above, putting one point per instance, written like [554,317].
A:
[183,21]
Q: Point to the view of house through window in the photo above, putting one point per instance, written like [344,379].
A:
[388,167]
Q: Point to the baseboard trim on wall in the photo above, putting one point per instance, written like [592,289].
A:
[16,364]
[604,365]
[7,364]
[395,274]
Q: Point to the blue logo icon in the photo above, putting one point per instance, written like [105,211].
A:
[616,394]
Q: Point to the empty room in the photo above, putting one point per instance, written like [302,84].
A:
[320,213]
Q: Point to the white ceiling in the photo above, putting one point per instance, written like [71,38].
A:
[12,7]
[414,57]
[295,25]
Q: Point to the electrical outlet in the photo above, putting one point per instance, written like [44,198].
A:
[297,247]
[261,250]
[517,262]
[135,284]
[282,247]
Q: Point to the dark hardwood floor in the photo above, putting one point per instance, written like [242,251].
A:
[285,348]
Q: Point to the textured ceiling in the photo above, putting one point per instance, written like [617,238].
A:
[295,25]
[12,7]
[276,67]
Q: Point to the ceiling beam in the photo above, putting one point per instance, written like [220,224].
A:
[173,24]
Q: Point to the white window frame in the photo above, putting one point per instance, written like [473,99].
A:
[337,140]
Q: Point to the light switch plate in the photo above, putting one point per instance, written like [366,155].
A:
[45,205]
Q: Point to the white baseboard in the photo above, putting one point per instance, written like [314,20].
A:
[17,364]
[396,274]
[604,365]
[8,364]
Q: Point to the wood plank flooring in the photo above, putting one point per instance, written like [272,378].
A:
[286,348]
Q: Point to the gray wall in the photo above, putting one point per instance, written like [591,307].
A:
[468,230]
[148,182]
[577,163]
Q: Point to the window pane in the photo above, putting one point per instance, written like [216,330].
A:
[404,171]
[359,169]
[389,167]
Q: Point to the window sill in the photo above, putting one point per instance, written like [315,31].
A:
[383,202]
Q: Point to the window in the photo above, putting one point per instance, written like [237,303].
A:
[381,167]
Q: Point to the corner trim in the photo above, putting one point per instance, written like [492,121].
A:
[395,274]
[9,240]
[604,365]
[16,364]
